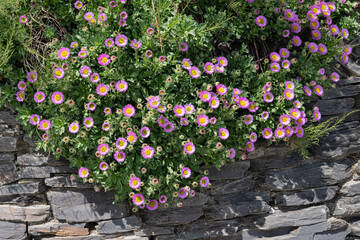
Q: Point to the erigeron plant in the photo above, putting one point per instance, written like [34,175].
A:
[138,103]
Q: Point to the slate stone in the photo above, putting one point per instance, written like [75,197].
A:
[352,80]
[45,172]
[233,171]
[8,144]
[351,188]
[335,152]
[177,216]
[24,200]
[8,173]
[7,157]
[293,218]
[352,68]
[99,237]
[85,206]
[166,237]
[335,106]
[263,150]
[200,199]
[30,140]
[152,231]
[119,225]
[12,231]
[58,229]
[355,227]
[348,207]
[10,130]
[205,229]
[239,205]
[32,159]
[346,91]
[36,213]
[272,162]
[7,117]
[65,181]
[20,189]
[228,187]
[306,197]
[333,229]
[309,175]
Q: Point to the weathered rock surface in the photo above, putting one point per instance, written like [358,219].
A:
[352,80]
[239,205]
[65,181]
[152,231]
[345,91]
[8,173]
[291,218]
[7,117]
[22,188]
[5,157]
[233,171]
[32,159]
[119,225]
[335,106]
[206,229]
[228,187]
[12,231]
[84,206]
[306,197]
[58,229]
[351,188]
[348,207]
[36,213]
[8,144]
[175,217]
[309,175]
[262,164]
[45,172]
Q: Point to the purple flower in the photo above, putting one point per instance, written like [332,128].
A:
[64,53]
[104,59]
[296,41]
[44,124]
[322,49]
[121,40]
[261,21]
[74,127]
[189,148]
[39,97]
[275,67]
[194,72]
[57,97]
[313,47]
[222,61]
[135,44]
[102,89]
[185,172]
[85,71]
[183,47]
[58,73]
[223,133]
[34,119]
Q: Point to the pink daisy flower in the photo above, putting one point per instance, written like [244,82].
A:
[58,73]
[121,40]
[221,89]
[74,127]
[268,97]
[134,183]
[129,110]
[57,97]
[106,126]
[202,120]
[153,204]
[91,106]
[189,148]
[104,59]
[289,94]
[209,68]
[194,72]
[132,138]
[250,146]
[285,119]
[222,61]
[204,181]
[103,166]
[119,156]
[102,89]
[45,125]
[121,143]
[169,127]
[267,133]
[138,199]
[85,71]
[261,21]
[183,193]
[103,149]
[243,102]
[185,172]
[223,133]
[88,122]
[39,97]
[179,110]
[147,152]
[144,132]
[249,119]
[183,47]
[64,53]
[34,119]
[83,172]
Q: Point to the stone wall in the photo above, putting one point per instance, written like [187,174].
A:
[274,195]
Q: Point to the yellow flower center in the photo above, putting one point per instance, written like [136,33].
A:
[104,60]
[249,146]
[267,133]
[213,102]
[58,73]
[39,97]
[147,152]
[205,96]
[208,67]
[222,62]
[131,138]
[284,119]
[194,72]
[121,40]
[128,111]
[189,148]
[221,90]
[288,94]
[102,89]
[57,97]
[202,120]
[178,111]
[122,86]
[222,133]
[152,204]
[138,199]
[135,182]
[103,149]
[83,172]
[45,125]
[242,103]
[74,127]
[185,172]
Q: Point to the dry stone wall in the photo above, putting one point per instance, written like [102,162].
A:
[274,195]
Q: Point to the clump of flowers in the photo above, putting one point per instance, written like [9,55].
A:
[144,114]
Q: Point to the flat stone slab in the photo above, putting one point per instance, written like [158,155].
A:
[348,207]
[32,159]
[335,106]
[228,187]
[85,206]
[8,173]
[22,188]
[179,216]
[351,188]
[35,213]
[58,229]
[12,231]
[309,175]
[239,205]
[45,172]
[65,181]
[7,117]
[8,144]
[233,171]
[351,80]
[153,231]
[119,225]
[306,197]
[346,91]
[293,218]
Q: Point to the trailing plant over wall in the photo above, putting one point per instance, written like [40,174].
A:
[139,100]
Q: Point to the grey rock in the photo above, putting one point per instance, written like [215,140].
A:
[45,172]
[12,231]
[352,80]
[272,162]
[233,171]
[30,140]
[24,200]
[239,205]
[99,237]
[32,159]
[85,206]
[309,175]
[264,151]
[289,218]
[8,173]
[58,229]
[351,188]
[119,225]
[352,68]
[152,231]
[166,237]
[5,157]
[36,213]
[228,187]
[7,117]
[10,130]
[346,91]
[335,106]
[206,229]
[333,229]
[65,181]
[330,151]
[306,197]
[8,144]
[355,227]
[172,217]
[199,199]
[20,189]
[348,207]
